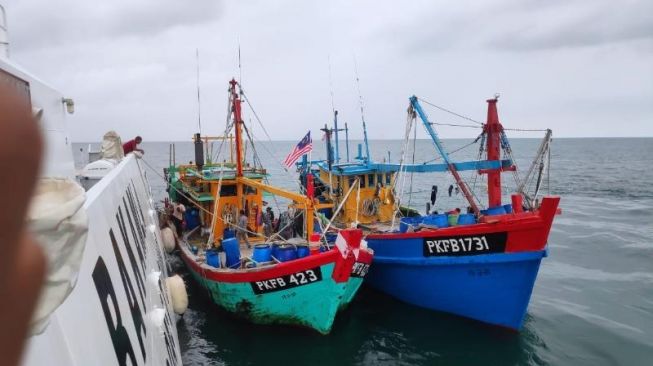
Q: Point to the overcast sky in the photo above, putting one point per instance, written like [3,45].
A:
[581,68]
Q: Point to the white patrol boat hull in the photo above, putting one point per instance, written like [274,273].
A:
[118,310]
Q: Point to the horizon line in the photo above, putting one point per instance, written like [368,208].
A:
[425,139]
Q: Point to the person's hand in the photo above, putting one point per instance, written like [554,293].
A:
[22,264]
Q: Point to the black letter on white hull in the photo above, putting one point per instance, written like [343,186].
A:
[119,337]
[130,253]
[137,316]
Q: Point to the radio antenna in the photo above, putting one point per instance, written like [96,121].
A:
[199,105]
[333,108]
[240,69]
[360,100]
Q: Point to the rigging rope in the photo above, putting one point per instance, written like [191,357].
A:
[454,125]
[458,149]
[270,153]
[412,173]
[451,112]
[228,129]
[409,122]
[219,191]
[525,130]
[337,211]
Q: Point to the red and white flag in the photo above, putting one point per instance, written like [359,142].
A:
[303,147]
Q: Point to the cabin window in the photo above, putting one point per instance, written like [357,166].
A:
[388,179]
[352,180]
[370,180]
[379,179]
[362,180]
[227,191]
[250,190]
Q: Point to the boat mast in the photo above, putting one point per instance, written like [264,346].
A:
[493,129]
[436,140]
[329,148]
[347,140]
[238,120]
[367,146]
[335,127]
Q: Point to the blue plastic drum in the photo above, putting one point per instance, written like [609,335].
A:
[212,258]
[262,253]
[303,251]
[191,218]
[406,222]
[499,210]
[330,237]
[326,248]
[232,251]
[228,233]
[275,250]
[466,219]
[286,253]
[436,220]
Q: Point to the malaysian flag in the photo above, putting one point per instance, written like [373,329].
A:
[303,147]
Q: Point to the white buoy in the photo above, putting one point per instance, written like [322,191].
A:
[178,294]
[168,239]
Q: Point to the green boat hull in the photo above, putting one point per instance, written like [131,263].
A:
[312,294]
[291,307]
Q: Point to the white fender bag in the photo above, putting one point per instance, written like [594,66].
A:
[59,224]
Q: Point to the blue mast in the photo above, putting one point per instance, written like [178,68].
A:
[347,140]
[452,168]
[434,135]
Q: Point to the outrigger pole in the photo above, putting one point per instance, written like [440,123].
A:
[436,140]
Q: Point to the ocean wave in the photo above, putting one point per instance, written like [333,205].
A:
[561,271]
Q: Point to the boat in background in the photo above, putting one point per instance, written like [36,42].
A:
[481,264]
[281,280]
[105,300]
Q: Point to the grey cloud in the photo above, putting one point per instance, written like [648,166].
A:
[130,65]
[522,26]
[53,23]
[577,25]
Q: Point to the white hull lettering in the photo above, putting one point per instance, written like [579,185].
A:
[360,269]
[465,245]
[292,280]
[134,287]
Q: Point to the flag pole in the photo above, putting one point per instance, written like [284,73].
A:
[310,159]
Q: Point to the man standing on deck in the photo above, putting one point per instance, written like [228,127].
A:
[242,228]
[132,145]
[178,210]
[268,220]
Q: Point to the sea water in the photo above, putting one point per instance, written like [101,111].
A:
[592,303]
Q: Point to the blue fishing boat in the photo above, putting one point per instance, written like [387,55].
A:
[481,264]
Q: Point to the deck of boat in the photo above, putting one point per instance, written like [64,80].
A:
[246,252]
